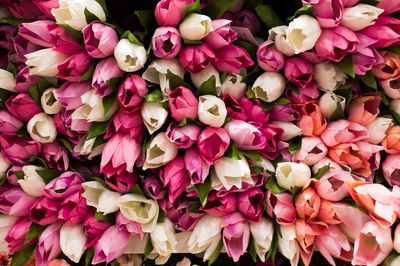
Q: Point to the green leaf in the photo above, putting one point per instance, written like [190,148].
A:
[252,76]
[347,65]
[369,79]
[224,76]
[98,141]
[136,190]
[3,179]
[295,145]
[191,42]
[193,8]
[145,18]
[208,87]
[214,256]
[385,99]
[252,155]
[395,115]
[19,174]
[252,250]
[154,95]
[15,21]
[77,35]
[89,72]
[101,181]
[282,101]
[338,114]
[321,172]
[346,92]
[176,81]
[48,174]
[38,161]
[305,10]
[108,103]
[66,144]
[256,169]
[113,83]
[194,206]
[394,49]
[370,2]
[232,152]
[203,189]
[20,257]
[11,68]
[188,120]
[90,17]
[34,231]
[131,37]
[5,94]
[250,94]
[89,256]
[148,248]
[249,47]
[266,106]
[105,218]
[97,129]
[161,216]
[216,8]
[389,260]
[267,15]
[272,185]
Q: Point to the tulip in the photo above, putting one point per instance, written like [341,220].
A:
[182,104]
[302,33]
[183,137]
[111,245]
[73,209]
[63,186]
[391,88]
[391,142]
[5,224]
[92,109]
[204,76]
[17,234]
[299,71]
[396,240]
[245,135]
[221,34]
[174,176]
[328,76]
[395,106]
[152,188]
[153,115]
[163,238]
[312,150]
[290,175]
[280,206]
[262,233]
[105,71]
[131,227]
[232,172]
[62,41]
[220,205]
[93,191]
[170,12]
[284,113]
[195,58]
[46,6]
[166,42]
[4,165]
[269,86]
[73,241]
[130,57]
[209,139]
[10,174]
[45,62]
[72,12]
[42,128]
[236,235]
[69,94]
[211,110]
[160,152]
[17,150]
[303,95]
[308,204]
[49,102]
[44,211]
[195,27]
[87,148]
[360,16]
[128,123]
[22,47]
[37,32]
[48,246]
[137,208]
[278,35]
[232,59]
[377,129]
[288,245]
[130,92]
[343,131]
[331,185]
[247,19]
[251,204]
[233,86]
[273,135]
[9,123]
[22,106]
[329,13]
[269,58]
[100,39]
[7,81]
[390,168]
[32,183]
[365,56]
[14,201]
[330,104]
[93,229]
[196,167]
[312,122]
[74,67]
[385,31]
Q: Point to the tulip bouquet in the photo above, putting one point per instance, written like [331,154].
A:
[187,131]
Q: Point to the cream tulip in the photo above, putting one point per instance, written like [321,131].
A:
[153,115]
[161,151]
[269,86]
[44,62]
[195,27]
[211,110]
[73,241]
[232,172]
[302,33]
[32,183]
[290,175]
[130,57]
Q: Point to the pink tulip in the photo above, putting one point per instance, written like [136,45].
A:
[273,135]
[391,169]
[130,92]
[312,151]
[222,35]
[253,109]
[130,123]
[123,224]
[22,8]
[220,205]
[46,6]
[284,113]
[299,71]
[9,123]
[17,234]
[73,209]
[236,235]
[63,123]
[63,42]
[391,87]
[280,206]
[233,108]
[58,262]
[175,178]
[331,185]
[335,44]
[44,211]
[197,168]
[251,204]
[391,143]
[153,188]
[212,143]
[269,58]
[48,246]
[14,201]
[305,234]
[343,131]
[105,71]
[182,103]
[166,42]
[170,12]
[303,95]
[56,156]
[308,204]
[246,19]
[245,135]
[327,214]
[183,137]
[195,58]
[24,80]
[232,59]
[22,106]
[365,55]
[12,178]
[74,67]
[17,150]
[365,109]
[22,47]
[61,187]
[121,181]
[329,13]
[386,31]
[389,6]
[93,229]
[7,32]
[111,245]
[69,94]
[100,39]
[389,68]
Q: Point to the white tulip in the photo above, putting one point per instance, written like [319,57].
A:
[377,129]
[4,164]
[93,190]
[205,236]
[72,12]
[394,262]
[157,73]
[5,224]
[395,106]
[233,86]
[161,151]
[33,183]
[44,62]
[73,241]
[269,86]
[86,147]
[233,172]
[279,36]
[290,130]
[42,128]
[262,233]
[329,104]
[328,76]
[360,16]
[288,245]
[204,75]
[7,80]
[163,238]
[195,27]
[139,209]
[290,175]
[50,103]
[215,182]
[153,115]
[92,109]
[303,32]
[107,202]
[266,165]
[130,57]
[211,110]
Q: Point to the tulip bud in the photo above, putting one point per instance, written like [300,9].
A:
[42,128]
[170,12]
[130,57]
[221,34]
[204,75]
[72,12]
[7,81]
[107,202]
[153,115]
[92,109]
[262,233]
[163,238]
[93,191]
[325,162]
[32,183]
[377,129]
[211,110]
[391,169]
[195,58]
[233,86]
[360,16]
[232,172]
[290,130]
[269,58]
[328,76]
[290,175]
[195,27]
[269,86]
[100,39]
[331,103]
[166,42]
[302,33]
[50,103]
[288,245]
[312,151]
[45,62]
[278,35]
[73,241]
[160,152]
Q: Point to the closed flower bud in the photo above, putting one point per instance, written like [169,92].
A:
[73,241]
[290,175]
[328,76]
[288,245]
[204,75]
[45,62]
[269,58]
[312,151]
[303,32]
[211,110]
[42,128]
[100,39]
[163,238]
[130,57]
[166,42]
[50,103]
[92,109]
[160,152]
[290,130]
[5,224]
[279,36]
[170,12]
[269,86]
[232,172]
[233,86]
[107,202]
[32,183]
[7,81]
[93,190]
[331,103]
[377,129]
[153,115]
[262,233]
[195,27]
[360,16]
